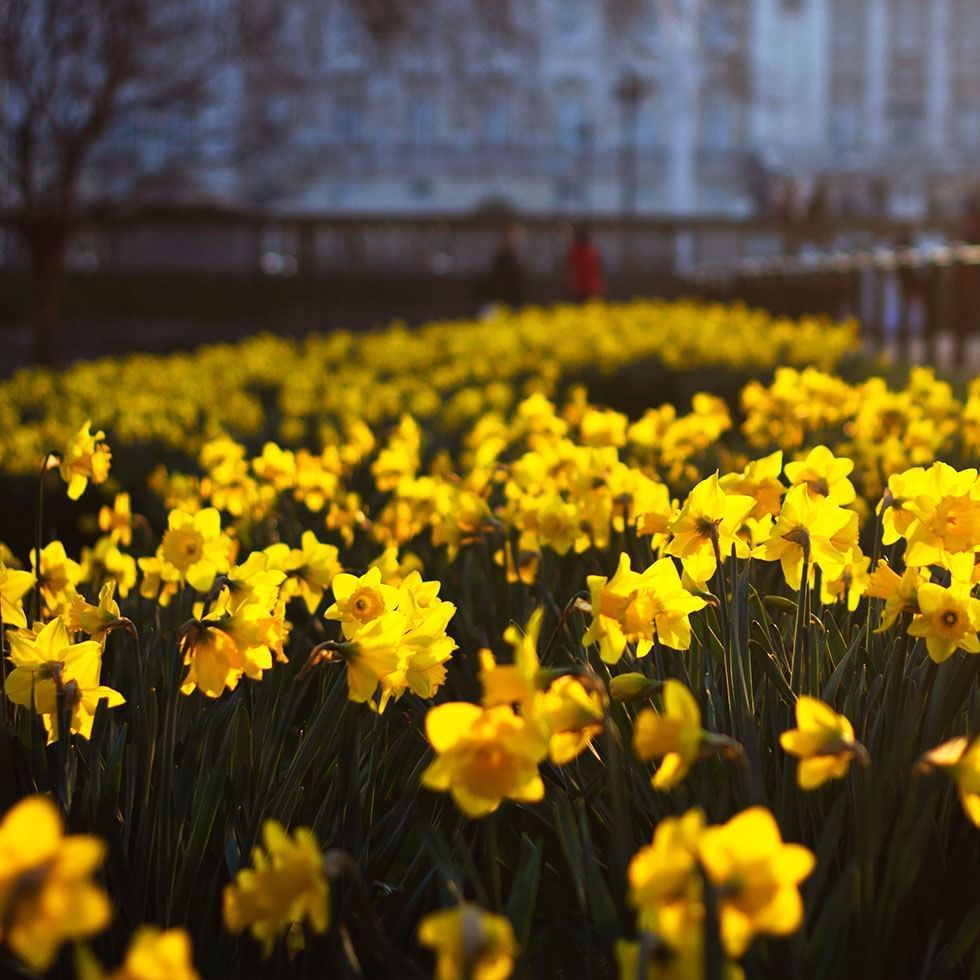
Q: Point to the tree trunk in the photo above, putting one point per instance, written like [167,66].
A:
[46,244]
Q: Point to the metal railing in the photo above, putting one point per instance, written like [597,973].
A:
[903,297]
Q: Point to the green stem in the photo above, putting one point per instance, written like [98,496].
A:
[38,535]
[799,632]
[494,857]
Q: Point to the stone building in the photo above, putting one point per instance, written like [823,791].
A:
[617,106]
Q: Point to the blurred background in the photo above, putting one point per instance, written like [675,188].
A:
[178,171]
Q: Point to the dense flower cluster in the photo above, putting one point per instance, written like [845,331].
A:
[691,586]
[449,372]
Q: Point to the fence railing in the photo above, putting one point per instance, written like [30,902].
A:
[245,243]
[903,297]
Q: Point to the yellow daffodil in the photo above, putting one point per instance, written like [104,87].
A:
[759,480]
[959,758]
[639,607]
[665,963]
[14,585]
[896,514]
[949,619]
[424,650]
[58,577]
[47,665]
[571,711]
[47,893]
[117,520]
[285,886]
[664,884]
[805,530]
[824,475]
[707,527]
[514,683]
[946,529]
[193,550]
[852,582]
[241,633]
[900,592]
[153,954]
[359,600]
[483,756]
[469,943]
[85,457]
[310,569]
[824,742]
[674,735]
[756,876]
[105,561]
[95,621]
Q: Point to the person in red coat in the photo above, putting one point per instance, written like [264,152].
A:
[584,267]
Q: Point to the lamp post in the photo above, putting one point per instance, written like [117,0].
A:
[630,93]
[585,163]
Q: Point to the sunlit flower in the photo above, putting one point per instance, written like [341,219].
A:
[47,895]
[706,528]
[310,569]
[469,943]
[664,883]
[640,607]
[117,520]
[484,756]
[757,877]
[193,550]
[58,577]
[153,954]
[804,532]
[949,619]
[824,742]
[48,666]
[759,480]
[241,634]
[96,621]
[900,592]
[85,457]
[358,600]
[285,886]
[14,585]
[675,736]
[824,475]
[959,758]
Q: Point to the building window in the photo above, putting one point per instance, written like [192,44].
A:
[844,126]
[349,121]
[496,123]
[968,127]
[348,32]
[966,21]
[719,122]
[276,110]
[422,120]
[571,14]
[906,126]
[720,27]
[847,25]
[573,125]
[909,26]
[647,125]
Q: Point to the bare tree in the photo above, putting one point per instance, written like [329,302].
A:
[72,72]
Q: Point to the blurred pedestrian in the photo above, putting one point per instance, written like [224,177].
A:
[507,281]
[970,225]
[585,277]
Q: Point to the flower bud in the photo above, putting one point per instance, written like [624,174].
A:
[633,687]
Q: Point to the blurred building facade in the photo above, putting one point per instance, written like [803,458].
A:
[614,106]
